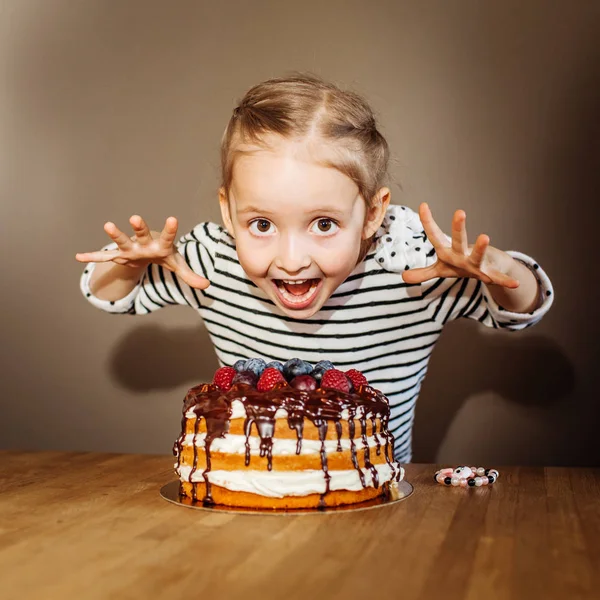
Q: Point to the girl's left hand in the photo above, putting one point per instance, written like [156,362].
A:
[458,258]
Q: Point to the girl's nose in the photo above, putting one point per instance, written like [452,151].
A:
[293,254]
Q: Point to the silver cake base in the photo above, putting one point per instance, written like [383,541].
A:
[170,492]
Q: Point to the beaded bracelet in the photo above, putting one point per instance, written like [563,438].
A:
[466,476]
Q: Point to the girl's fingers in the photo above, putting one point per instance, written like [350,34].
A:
[142,232]
[195,281]
[460,243]
[421,274]
[116,235]
[99,256]
[502,279]
[183,270]
[169,232]
[479,248]
[434,233]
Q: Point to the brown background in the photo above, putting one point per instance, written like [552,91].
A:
[114,108]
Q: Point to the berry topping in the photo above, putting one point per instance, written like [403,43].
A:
[269,378]
[256,365]
[320,368]
[275,364]
[223,377]
[294,367]
[356,377]
[304,383]
[324,364]
[246,377]
[336,380]
[239,365]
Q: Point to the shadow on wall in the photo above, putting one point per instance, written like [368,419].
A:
[153,357]
[527,370]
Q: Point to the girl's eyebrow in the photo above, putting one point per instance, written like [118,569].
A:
[253,209]
[327,210]
[318,211]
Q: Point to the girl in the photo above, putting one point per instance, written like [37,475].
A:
[313,262]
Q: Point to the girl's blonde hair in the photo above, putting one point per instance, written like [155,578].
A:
[304,106]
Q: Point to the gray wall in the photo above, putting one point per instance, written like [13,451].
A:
[114,108]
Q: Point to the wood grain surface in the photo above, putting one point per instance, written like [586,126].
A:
[90,525]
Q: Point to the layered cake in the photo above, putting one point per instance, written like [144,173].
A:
[285,436]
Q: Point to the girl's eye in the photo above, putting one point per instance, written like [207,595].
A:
[261,227]
[325,227]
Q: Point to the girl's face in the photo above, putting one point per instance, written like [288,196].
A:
[298,225]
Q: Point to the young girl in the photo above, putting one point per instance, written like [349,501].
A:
[313,261]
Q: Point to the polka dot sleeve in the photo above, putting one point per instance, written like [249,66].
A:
[498,316]
[123,305]
[402,244]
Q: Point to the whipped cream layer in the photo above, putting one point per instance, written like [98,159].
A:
[278,484]
[239,412]
[236,444]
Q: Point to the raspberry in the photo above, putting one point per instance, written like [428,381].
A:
[356,377]
[268,379]
[223,377]
[336,380]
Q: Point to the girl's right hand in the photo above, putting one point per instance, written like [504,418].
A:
[146,247]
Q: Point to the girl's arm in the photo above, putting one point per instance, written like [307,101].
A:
[146,271]
[511,284]
[523,299]
[110,281]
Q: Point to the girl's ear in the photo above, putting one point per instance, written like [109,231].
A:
[376,213]
[226,212]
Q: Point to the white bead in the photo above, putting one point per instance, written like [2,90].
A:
[455,481]
[480,471]
[478,481]
[462,472]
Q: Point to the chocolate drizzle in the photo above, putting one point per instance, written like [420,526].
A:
[321,407]
[338,430]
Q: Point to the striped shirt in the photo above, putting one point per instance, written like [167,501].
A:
[374,322]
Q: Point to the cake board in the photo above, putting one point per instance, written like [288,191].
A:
[170,492]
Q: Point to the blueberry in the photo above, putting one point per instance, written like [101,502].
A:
[295,367]
[239,365]
[247,377]
[320,368]
[275,364]
[325,365]
[256,365]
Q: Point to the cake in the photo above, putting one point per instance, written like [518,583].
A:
[285,436]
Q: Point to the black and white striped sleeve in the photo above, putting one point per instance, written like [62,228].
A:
[159,287]
[470,298]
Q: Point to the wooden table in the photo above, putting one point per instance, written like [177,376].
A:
[90,525]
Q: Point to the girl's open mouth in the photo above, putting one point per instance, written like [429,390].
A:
[297,293]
